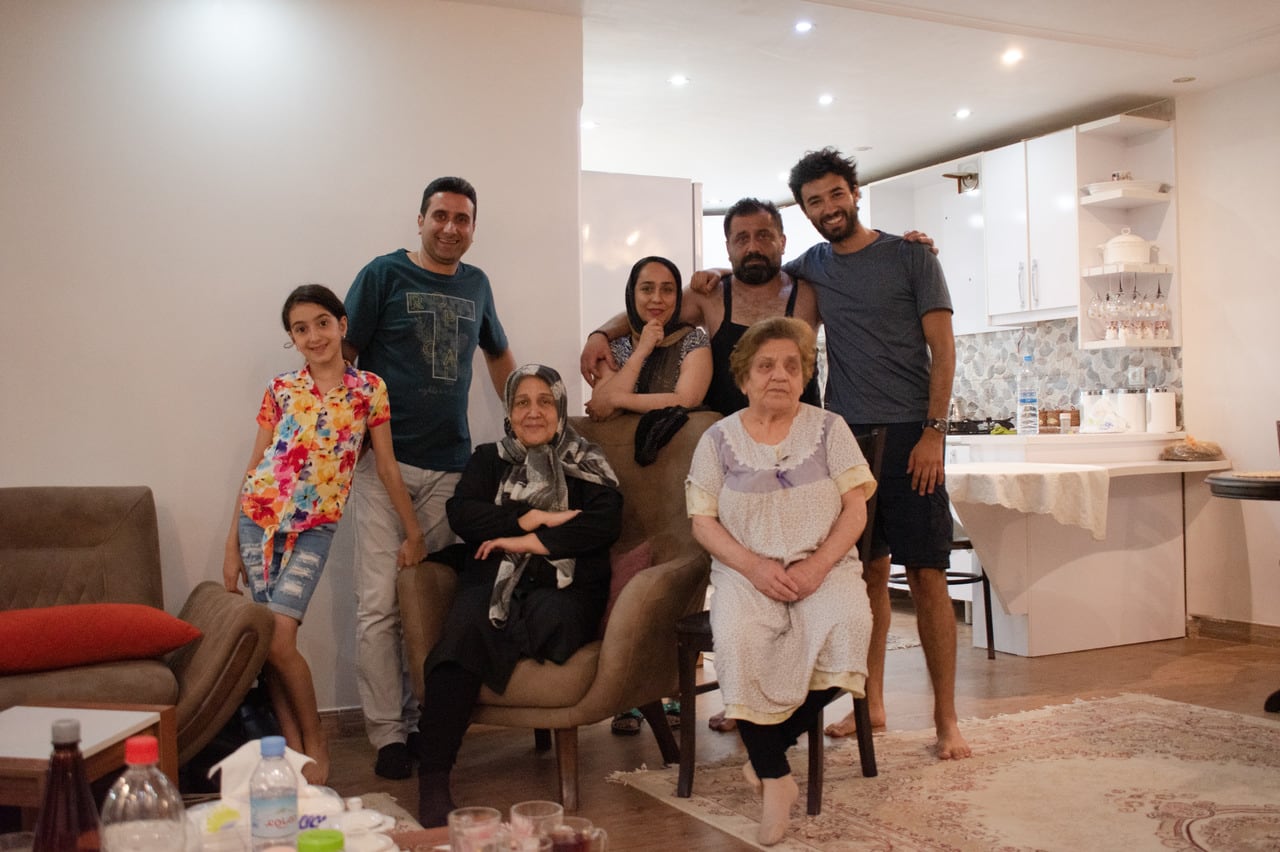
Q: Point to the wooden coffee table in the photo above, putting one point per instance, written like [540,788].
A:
[25,746]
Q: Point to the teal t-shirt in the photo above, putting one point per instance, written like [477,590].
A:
[419,331]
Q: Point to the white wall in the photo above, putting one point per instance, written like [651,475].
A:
[172,170]
[1229,209]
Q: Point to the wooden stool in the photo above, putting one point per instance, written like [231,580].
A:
[693,637]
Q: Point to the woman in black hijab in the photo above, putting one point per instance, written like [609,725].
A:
[537,513]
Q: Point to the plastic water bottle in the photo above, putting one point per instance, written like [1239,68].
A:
[68,820]
[273,799]
[143,811]
[1027,412]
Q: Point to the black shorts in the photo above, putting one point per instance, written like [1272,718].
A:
[914,530]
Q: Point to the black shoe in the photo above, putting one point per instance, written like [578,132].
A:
[394,762]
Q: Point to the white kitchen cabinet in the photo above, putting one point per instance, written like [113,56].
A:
[926,201]
[1029,192]
[1143,148]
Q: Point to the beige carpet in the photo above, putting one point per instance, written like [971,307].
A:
[1130,773]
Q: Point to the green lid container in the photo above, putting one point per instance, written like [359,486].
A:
[320,840]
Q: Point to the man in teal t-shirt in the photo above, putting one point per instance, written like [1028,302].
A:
[415,318]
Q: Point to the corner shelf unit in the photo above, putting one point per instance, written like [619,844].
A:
[1143,147]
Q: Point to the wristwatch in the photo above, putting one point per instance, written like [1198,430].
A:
[937,424]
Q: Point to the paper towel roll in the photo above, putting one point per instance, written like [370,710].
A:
[1162,410]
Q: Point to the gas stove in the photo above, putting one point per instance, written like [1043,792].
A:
[977,427]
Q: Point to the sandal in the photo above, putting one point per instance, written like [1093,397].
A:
[672,709]
[627,724]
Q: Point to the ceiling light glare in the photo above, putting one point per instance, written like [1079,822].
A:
[963,112]
[803,27]
[826,100]
[588,124]
[678,80]
[1012,56]
[783,176]
[862,148]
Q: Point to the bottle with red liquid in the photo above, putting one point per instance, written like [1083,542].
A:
[68,820]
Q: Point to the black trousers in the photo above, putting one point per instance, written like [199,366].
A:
[767,744]
[449,695]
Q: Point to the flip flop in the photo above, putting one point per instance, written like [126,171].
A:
[672,709]
[627,724]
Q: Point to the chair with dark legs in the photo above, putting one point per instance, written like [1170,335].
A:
[693,637]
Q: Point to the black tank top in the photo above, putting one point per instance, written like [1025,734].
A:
[723,395]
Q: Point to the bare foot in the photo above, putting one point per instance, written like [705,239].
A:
[750,776]
[718,722]
[775,817]
[951,745]
[848,726]
[317,772]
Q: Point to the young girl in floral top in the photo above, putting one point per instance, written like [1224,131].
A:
[311,425]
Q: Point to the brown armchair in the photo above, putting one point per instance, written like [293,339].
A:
[634,664]
[65,545]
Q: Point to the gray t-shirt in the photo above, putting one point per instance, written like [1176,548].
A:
[871,303]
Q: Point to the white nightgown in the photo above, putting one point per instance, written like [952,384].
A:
[780,501]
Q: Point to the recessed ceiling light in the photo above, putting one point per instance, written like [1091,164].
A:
[588,124]
[1184,79]
[678,80]
[1012,56]
[803,26]
[825,100]
[782,176]
[963,112]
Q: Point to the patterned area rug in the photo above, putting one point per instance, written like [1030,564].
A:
[898,641]
[1129,773]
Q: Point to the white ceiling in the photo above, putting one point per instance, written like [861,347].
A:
[897,72]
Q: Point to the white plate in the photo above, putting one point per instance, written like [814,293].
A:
[1109,185]
[361,821]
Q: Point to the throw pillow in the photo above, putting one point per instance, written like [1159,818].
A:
[56,637]
[624,566]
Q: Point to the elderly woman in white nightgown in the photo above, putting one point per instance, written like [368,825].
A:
[777,493]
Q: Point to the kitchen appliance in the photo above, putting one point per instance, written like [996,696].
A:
[1126,247]
[1162,410]
[1132,406]
[1089,400]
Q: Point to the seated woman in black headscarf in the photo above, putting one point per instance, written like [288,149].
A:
[663,362]
[537,512]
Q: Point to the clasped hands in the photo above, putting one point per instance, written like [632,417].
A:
[789,583]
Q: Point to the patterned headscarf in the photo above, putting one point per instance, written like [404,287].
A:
[536,476]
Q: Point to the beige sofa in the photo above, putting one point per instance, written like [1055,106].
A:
[75,545]
[634,665]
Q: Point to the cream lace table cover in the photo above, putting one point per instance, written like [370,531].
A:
[1072,494]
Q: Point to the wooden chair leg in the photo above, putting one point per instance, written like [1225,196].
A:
[567,764]
[687,660]
[817,762]
[656,716]
[866,746]
[541,739]
[986,602]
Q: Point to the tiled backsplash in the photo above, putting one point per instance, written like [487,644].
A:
[987,368]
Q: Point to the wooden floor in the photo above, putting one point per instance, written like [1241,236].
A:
[499,766]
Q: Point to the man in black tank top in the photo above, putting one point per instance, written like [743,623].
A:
[723,395]
[757,289]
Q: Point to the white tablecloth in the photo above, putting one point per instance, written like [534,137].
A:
[1072,494]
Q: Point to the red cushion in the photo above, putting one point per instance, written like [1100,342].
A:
[55,637]
[624,566]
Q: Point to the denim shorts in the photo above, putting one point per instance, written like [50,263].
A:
[286,591]
[913,529]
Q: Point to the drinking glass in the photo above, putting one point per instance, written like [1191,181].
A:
[577,834]
[474,829]
[535,818]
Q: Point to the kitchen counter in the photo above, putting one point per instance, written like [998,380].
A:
[1082,552]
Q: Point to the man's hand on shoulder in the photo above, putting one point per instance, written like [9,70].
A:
[705,281]
[922,238]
